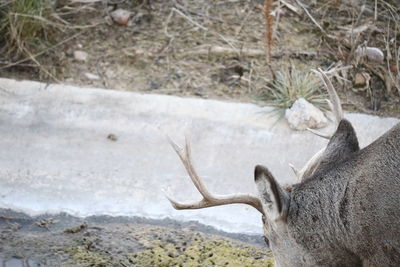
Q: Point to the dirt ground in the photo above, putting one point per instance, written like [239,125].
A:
[216,49]
[64,240]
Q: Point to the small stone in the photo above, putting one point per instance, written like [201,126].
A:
[361,79]
[121,16]
[394,68]
[91,76]
[112,137]
[81,56]
[371,54]
[303,115]
[76,229]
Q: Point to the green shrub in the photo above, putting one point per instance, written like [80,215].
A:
[290,85]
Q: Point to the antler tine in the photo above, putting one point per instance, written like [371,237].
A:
[185,157]
[209,200]
[335,105]
[310,166]
[330,104]
[296,171]
[336,108]
[326,136]
[184,206]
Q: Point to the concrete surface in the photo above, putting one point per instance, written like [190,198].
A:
[55,155]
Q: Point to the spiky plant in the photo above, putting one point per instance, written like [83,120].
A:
[290,85]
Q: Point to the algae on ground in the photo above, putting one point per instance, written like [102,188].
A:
[202,253]
[82,257]
[161,249]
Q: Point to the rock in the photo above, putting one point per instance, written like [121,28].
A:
[393,68]
[303,115]
[112,137]
[76,229]
[371,54]
[91,76]
[81,56]
[121,16]
[361,81]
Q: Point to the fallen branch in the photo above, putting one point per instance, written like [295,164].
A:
[248,52]
[290,7]
[224,51]
[309,15]
[189,19]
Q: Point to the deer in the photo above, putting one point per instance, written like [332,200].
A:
[344,211]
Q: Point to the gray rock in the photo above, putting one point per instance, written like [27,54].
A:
[81,56]
[91,76]
[371,54]
[303,115]
[120,16]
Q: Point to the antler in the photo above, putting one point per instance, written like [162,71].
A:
[209,200]
[333,103]
[336,108]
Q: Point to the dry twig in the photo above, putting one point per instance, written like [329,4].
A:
[310,16]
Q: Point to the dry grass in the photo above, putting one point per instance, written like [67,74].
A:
[171,48]
[372,24]
[29,30]
[25,26]
[26,29]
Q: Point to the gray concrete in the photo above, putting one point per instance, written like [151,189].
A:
[55,155]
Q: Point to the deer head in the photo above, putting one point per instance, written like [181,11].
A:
[281,207]
[320,221]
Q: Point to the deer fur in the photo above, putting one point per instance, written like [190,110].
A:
[346,213]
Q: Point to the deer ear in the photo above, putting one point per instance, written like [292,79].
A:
[274,200]
[344,142]
[340,148]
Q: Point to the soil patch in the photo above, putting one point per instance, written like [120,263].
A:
[215,49]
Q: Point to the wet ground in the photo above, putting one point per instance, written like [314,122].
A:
[64,240]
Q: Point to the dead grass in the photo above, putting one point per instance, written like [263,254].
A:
[215,49]
[29,31]
[25,27]
[369,24]
[364,24]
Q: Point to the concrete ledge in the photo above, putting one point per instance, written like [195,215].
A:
[55,155]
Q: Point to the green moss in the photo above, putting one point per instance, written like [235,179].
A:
[202,253]
[167,250]
[80,257]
